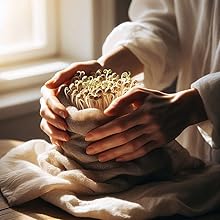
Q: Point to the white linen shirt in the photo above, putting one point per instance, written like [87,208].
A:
[179,39]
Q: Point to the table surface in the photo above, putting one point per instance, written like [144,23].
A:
[41,210]
[35,209]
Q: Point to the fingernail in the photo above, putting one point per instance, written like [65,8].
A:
[57,143]
[107,111]
[65,138]
[49,81]
[102,158]
[90,150]
[62,127]
[119,160]
[89,137]
[62,114]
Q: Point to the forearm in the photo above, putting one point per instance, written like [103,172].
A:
[121,59]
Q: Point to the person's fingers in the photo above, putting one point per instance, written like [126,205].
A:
[115,140]
[53,103]
[66,74]
[46,92]
[127,148]
[56,142]
[53,132]
[118,125]
[135,96]
[147,148]
[136,148]
[52,118]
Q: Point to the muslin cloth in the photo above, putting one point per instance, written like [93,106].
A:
[165,182]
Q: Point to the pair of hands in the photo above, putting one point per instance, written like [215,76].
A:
[156,118]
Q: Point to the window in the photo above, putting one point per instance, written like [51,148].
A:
[40,37]
[27,30]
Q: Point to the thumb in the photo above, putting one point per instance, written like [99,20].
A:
[67,74]
[59,78]
[126,103]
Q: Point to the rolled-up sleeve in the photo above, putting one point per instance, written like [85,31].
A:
[153,37]
[209,90]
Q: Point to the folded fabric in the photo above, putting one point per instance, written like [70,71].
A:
[165,182]
[37,168]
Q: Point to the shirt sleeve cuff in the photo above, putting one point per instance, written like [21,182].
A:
[209,90]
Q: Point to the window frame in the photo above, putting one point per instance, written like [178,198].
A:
[39,50]
[61,45]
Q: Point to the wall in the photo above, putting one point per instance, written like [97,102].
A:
[121,11]
[22,126]
[25,125]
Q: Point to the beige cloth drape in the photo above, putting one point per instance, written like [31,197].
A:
[172,39]
[36,168]
[165,182]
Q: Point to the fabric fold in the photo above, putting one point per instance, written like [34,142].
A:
[165,182]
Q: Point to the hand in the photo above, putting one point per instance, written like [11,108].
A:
[157,119]
[53,113]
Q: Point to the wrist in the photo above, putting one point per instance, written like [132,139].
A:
[194,106]
[121,59]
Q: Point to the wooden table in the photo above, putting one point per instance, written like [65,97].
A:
[36,209]
[40,210]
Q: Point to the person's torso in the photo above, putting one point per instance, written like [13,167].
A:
[198,24]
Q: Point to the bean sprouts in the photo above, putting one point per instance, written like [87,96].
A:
[98,89]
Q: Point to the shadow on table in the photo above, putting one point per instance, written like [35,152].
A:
[41,210]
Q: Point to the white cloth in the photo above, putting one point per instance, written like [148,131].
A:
[209,89]
[175,38]
[171,38]
[69,178]
[37,168]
